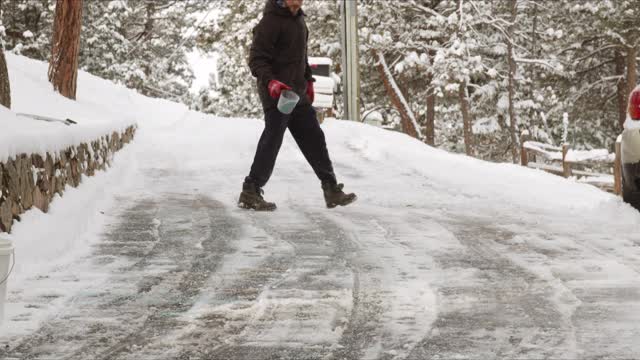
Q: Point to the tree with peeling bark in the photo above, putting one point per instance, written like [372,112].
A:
[430,124]
[621,86]
[5,88]
[408,120]
[466,118]
[65,45]
[407,34]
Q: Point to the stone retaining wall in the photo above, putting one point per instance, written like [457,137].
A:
[33,180]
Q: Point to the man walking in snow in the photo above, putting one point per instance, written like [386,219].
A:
[278,59]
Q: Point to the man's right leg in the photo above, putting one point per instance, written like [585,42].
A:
[275,125]
[306,131]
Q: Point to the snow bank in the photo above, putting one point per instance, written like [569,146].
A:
[498,188]
[44,241]
[97,112]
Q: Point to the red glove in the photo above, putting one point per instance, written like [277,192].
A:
[276,87]
[311,94]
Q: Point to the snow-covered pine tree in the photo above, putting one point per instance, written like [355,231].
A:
[536,40]
[5,88]
[601,52]
[28,26]
[442,44]
[143,44]
[122,40]
[426,43]
[392,29]
[230,36]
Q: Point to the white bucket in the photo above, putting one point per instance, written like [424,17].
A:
[6,254]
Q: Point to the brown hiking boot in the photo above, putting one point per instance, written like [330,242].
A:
[251,198]
[334,196]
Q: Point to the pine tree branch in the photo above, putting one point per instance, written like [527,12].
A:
[603,80]
[596,52]
[597,66]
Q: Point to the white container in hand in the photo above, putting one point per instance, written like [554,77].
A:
[288,101]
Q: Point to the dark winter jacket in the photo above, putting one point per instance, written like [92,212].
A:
[279,51]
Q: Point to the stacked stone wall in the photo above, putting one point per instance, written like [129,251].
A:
[32,180]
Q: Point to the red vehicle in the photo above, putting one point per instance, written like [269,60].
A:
[631,152]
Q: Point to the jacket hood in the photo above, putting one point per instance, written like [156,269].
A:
[272,7]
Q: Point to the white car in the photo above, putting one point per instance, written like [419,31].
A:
[631,152]
[324,85]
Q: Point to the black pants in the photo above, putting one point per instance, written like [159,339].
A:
[304,127]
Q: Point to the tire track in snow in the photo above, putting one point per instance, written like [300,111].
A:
[301,315]
[193,253]
[398,268]
[138,222]
[160,278]
[492,307]
[454,299]
[603,309]
[231,301]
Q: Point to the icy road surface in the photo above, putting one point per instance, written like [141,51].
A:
[423,266]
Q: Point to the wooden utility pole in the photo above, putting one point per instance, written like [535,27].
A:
[5,89]
[350,62]
[65,44]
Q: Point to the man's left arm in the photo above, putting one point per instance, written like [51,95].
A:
[308,75]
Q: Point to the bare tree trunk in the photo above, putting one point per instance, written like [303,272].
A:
[431,116]
[148,25]
[622,88]
[512,73]
[5,89]
[409,126]
[431,111]
[632,66]
[463,97]
[534,35]
[65,44]
[466,119]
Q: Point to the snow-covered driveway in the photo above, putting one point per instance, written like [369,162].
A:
[441,257]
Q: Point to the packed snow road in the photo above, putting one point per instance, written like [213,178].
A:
[442,257]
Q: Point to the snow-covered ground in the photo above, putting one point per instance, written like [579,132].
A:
[442,256]
[96,112]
